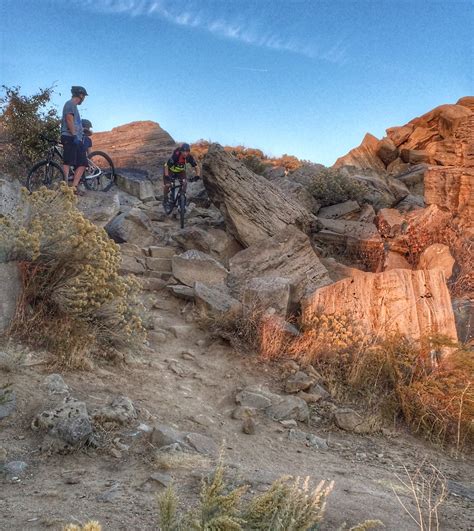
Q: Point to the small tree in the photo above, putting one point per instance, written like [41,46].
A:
[22,120]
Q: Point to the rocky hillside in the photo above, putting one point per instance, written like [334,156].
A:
[287,263]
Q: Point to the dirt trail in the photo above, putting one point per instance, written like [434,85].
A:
[189,381]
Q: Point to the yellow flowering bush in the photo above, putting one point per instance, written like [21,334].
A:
[71,276]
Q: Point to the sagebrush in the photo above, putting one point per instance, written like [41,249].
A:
[330,186]
[74,300]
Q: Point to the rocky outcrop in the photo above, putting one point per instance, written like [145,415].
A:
[288,255]
[441,137]
[195,266]
[142,145]
[413,303]
[363,156]
[452,189]
[98,207]
[437,255]
[253,209]
[133,226]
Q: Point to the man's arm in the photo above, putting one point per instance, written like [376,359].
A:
[70,124]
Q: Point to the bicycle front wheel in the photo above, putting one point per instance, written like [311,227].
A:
[100,174]
[45,173]
[182,208]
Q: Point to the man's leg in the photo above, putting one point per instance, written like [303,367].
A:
[166,189]
[77,175]
[66,171]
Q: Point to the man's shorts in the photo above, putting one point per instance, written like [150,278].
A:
[174,175]
[73,154]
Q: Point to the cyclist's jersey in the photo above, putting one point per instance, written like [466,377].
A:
[71,108]
[177,162]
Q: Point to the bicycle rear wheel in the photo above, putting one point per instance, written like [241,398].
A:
[45,173]
[100,174]
[182,208]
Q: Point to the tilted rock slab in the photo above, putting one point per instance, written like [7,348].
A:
[415,304]
[288,254]
[194,266]
[253,209]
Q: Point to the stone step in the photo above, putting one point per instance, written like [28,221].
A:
[161,252]
[158,264]
[165,275]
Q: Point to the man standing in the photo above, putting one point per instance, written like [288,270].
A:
[71,136]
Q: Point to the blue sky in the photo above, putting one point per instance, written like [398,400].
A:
[304,77]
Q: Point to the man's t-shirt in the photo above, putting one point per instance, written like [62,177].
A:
[87,142]
[71,108]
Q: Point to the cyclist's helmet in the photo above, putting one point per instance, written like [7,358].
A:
[79,91]
[86,124]
[185,147]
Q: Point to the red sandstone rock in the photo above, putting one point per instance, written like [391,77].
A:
[142,145]
[364,156]
[437,255]
[413,303]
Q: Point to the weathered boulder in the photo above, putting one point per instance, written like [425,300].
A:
[67,426]
[253,209]
[363,156]
[215,301]
[451,189]
[136,183]
[132,265]
[390,222]
[275,406]
[194,266]
[288,255]
[297,192]
[349,420]
[340,210]
[262,293]
[214,242]
[131,226]
[120,411]
[437,255]
[413,303]
[399,135]
[11,288]
[98,207]
[143,145]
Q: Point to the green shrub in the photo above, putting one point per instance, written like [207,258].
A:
[330,187]
[74,301]
[23,119]
[254,164]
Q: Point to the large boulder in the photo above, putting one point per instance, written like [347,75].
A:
[136,183]
[437,255]
[139,145]
[10,291]
[297,192]
[253,209]
[263,293]
[214,301]
[133,226]
[195,266]
[415,304]
[288,254]
[98,207]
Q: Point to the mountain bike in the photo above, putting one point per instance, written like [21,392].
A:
[99,174]
[177,199]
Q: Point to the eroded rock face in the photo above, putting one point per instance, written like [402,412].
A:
[413,303]
[195,266]
[133,226]
[437,255]
[143,145]
[253,209]
[98,207]
[11,287]
[363,156]
[288,255]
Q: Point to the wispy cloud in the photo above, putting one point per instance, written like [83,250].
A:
[188,14]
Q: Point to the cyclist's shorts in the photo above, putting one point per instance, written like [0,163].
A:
[174,175]
[74,155]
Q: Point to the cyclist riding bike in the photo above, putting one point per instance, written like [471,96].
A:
[175,168]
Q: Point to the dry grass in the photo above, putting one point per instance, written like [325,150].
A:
[179,460]
[74,301]
[428,489]
[392,378]
[89,526]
